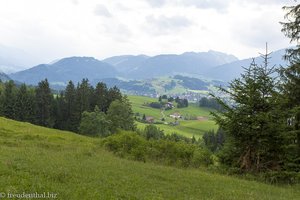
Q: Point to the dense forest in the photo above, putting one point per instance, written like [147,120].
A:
[64,110]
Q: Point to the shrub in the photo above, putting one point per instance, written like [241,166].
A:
[124,143]
[202,157]
[152,132]
[133,146]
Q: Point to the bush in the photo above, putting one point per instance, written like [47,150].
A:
[152,132]
[124,143]
[133,146]
[202,157]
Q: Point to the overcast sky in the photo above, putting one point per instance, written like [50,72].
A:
[52,29]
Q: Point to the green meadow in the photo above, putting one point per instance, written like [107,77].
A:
[188,128]
[37,159]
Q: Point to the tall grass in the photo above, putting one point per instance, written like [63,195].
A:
[37,159]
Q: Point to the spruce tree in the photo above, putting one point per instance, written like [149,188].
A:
[70,107]
[291,87]
[254,123]
[58,113]
[9,99]
[113,94]
[82,100]
[43,98]
[24,106]
[101,96]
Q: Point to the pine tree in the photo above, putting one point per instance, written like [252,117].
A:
[101,96]
[291,87]
[82,100]
[113,94]
[24,106]
[291,30]
[8,100]
[43,99]
[254,124]
[58,113]
[70,108]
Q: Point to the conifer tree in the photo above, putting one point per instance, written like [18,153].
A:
[8,100]
[70,107]
[254,123]
[101,96]
[291,87]
[43,98]
[113,94]
[82,99]
[24,106]
[58,113]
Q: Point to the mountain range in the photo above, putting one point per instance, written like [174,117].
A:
[229,71]
[4,77]
[141,67]
[122,70]
[60,72]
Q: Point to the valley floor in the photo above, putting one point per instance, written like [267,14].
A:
[36,159]
[187,128]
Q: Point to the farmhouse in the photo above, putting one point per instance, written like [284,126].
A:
[149,119]
[176,115]
[169,105]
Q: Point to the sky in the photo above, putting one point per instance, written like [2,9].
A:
[48,30]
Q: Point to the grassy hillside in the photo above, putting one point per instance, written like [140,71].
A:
[36,159]
[187,128]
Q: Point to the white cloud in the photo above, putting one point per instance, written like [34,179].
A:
[101,10]
[52,29]
[167,25]
[156,3]
[219,5]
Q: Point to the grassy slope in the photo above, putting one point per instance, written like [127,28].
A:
[36,159]
[138,102]
[187,128]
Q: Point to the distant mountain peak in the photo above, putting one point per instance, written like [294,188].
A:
[71,68]
[4,77]
[229,71]
[76,59]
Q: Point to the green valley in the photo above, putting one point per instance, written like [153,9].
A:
[199,123]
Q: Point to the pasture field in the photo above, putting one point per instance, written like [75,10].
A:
[188,128]
[36,160]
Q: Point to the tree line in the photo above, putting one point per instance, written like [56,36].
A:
[209,103]
[65,109]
